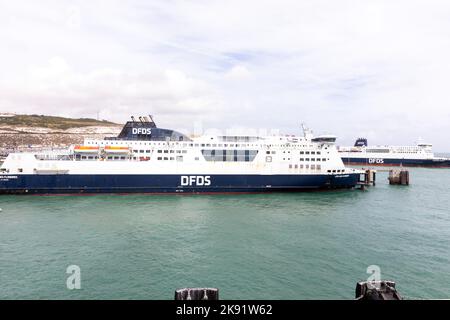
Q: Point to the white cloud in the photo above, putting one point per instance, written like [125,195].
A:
[56,88]
[376,68]
[238,72]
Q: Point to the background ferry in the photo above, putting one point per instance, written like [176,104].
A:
[420,155]
[146,159]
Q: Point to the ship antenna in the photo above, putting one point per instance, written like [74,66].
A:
[306,130]
[132,118]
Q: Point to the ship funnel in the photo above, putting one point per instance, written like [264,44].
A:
[361,142]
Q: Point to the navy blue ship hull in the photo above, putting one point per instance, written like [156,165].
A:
[93,184]
[431,163]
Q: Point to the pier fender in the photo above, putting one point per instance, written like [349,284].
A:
[376,290]
[197,294]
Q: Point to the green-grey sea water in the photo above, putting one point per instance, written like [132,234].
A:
[263,246]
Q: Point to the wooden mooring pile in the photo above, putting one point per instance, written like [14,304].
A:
[396,177]
[365,290]
[197,294]
[400,177]
[368,178]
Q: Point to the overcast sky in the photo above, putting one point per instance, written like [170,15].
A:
[379,69]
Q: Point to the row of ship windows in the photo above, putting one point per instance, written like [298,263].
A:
[221,153]
[313,167]
[208,145]
[108,158]
[227,158]
[388,151]
[307,166]
[185,151]
[313,159]
[208,157]
[239,138]
[182,144]
[269,159]
[229,155]
[178,158]
[172,151]
[160,151]
[412,151]
[301,152]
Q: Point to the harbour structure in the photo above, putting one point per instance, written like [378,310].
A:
[419,155]
[399,177]
[377,290]
[144,158]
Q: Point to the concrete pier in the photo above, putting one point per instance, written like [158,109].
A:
[399,177]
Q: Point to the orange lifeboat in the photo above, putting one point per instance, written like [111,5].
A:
[86,149]
[116,149]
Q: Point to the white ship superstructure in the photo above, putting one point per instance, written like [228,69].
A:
[420,154]
[145,158]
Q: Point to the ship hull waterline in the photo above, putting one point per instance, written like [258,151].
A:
[176,184]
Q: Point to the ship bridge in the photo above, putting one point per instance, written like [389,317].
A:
[329,139]
[145,129]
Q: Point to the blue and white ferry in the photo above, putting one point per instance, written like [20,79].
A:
[419,155]
[146,159]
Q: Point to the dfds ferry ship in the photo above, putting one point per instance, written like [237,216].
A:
[147,159]
[420,155]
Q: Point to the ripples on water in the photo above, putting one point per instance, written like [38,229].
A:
[280,246]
